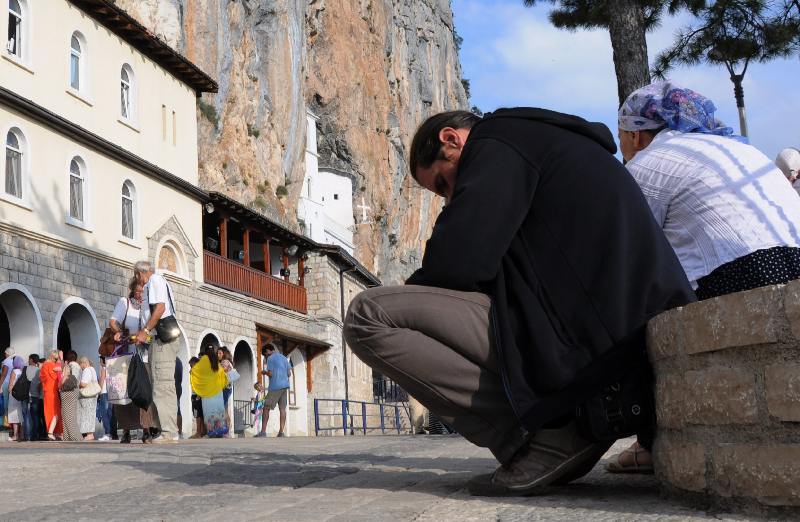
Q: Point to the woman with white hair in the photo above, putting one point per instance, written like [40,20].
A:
[87,404]
[724,207]
[788,161]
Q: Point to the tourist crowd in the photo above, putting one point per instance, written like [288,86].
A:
[138,384]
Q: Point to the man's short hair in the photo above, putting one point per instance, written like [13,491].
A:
[142,267]
[425,146]
[10,352]
[33,357]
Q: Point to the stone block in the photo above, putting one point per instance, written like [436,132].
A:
[782,384]
[791,305]
[770,474]
[709,397]
[740,319]
[664,335]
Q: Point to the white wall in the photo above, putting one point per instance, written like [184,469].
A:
[326,200]
[45,205]
[43,77]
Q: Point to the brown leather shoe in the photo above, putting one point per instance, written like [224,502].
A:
[551,456]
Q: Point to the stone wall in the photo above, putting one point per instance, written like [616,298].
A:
[728,398]
[55,273]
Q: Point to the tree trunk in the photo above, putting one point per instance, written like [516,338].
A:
[626,28]
[738,93]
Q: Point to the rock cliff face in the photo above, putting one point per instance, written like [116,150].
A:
[372,70]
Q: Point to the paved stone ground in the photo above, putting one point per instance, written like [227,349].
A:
[297,479]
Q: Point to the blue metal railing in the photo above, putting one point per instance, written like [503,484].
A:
[346,413]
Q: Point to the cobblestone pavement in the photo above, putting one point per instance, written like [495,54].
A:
[297,479]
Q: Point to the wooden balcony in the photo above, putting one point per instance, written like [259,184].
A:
[254,283]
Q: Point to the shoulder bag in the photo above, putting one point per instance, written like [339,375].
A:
[167,328]
[107,343]
[70,382]
[91,390]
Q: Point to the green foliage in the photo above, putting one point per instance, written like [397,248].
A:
[262,188]
[476,111]
[465,84]
[253,131]
[260,202]
[281,191]
[593,14]
[209,111]
[458,40]
[734,33]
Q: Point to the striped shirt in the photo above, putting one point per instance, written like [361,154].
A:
[717,199]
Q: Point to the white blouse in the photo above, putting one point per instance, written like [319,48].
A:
[717,199]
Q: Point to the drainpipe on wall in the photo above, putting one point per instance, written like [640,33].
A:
[344,344]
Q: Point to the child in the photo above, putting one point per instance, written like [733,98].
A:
[258,409]
[197,408]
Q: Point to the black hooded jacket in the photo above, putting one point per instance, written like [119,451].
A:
[546,221]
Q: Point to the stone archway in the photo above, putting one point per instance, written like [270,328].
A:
[208,338]
[243,362]
[20,321]
[76,328]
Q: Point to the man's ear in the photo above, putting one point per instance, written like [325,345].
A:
[450,138]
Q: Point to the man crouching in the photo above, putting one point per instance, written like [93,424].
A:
[535,288]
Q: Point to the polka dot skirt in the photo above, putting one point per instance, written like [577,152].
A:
[770,266]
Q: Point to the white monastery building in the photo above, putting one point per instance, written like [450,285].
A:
[98,169]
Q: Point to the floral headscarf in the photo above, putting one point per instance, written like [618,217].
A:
[664,104]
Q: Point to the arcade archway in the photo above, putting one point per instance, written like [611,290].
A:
[20,321]
[76,329]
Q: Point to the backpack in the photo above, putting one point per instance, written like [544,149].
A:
[22,387]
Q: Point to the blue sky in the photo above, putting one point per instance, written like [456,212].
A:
[514,57]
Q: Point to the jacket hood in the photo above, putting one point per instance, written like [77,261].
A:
[593,130]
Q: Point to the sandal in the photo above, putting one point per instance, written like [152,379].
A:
[615,465]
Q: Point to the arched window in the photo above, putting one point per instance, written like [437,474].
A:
[76,53]
[77,188]
[15,149]
[16,28]
[126,92]
[128,211]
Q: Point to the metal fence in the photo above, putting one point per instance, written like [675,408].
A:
[242,416]
[358,416]
[386,390]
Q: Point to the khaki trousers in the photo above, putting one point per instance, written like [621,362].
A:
[436,344]
[162,373]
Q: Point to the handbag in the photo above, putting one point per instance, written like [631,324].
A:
[167,328]
[91,390]
[69,384]
[117,379]
[140,390]
[107,343]
[233,375]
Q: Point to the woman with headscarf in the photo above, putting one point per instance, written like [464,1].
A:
[208,379]
[50,376]
[725,208]
[70,394]
[125,323]
[15,406]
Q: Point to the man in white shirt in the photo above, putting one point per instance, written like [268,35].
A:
[157,304]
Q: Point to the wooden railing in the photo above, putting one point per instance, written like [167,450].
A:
[245,280]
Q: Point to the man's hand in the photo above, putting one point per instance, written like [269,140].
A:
[141,337]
